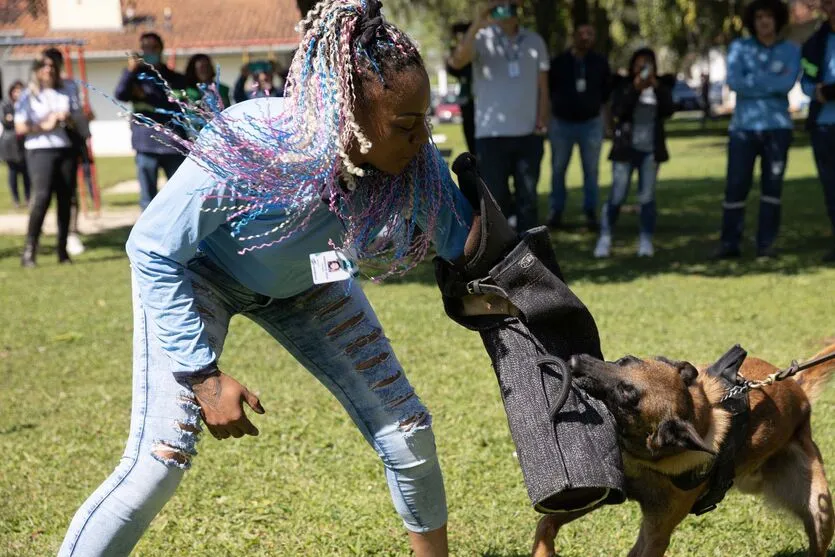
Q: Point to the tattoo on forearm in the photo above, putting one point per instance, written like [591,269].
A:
[208,392]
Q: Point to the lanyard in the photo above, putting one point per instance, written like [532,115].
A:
[511,49]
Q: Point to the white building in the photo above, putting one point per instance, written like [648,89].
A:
[232,32]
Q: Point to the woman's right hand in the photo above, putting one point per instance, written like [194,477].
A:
[221,399]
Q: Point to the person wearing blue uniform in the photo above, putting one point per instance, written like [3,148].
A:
[339,170]
[762,69]
[818,83]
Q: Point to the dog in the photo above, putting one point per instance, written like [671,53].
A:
[670,421]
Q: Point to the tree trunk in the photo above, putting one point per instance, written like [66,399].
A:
[580,11]
[545,14]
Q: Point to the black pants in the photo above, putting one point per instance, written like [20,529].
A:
[468,122]
[499,158]
[51,171]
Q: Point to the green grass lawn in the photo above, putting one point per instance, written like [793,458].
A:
[309,485]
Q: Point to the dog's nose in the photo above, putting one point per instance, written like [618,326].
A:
[574,363]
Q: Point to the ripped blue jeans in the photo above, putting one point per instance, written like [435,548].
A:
[331,330]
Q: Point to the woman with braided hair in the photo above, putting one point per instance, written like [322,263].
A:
[340,168]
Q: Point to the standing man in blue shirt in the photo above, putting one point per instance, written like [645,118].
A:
[762,69]
[580,84]
[149,98]
[819,83]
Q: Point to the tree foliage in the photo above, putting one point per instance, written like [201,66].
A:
[684,28]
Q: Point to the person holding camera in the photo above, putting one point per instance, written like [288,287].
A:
[640,105]
[580,82]
[510,85]
[42,116]
[262,73]
[762,69]
[141,86]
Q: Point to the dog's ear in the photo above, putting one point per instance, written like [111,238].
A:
[688,373]
[686,369]
[675,433]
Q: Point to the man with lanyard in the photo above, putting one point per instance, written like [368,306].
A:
[580,83]
[819,83]
[510,86]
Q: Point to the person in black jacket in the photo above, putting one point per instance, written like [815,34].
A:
[818,82]
[640,105]
[11,147]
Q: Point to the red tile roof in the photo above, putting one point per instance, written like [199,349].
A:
[194,24]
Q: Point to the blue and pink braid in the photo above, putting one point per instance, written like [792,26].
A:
[294,160]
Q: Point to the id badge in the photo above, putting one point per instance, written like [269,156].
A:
[331,266]
[513,69]
[581,85]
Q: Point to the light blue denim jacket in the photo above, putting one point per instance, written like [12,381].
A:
[179,222]
[762,77]
[827,114]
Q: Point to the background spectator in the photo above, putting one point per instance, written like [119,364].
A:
[510,83]
[640,105]
[262,85]
[200,70]
[11,146]
[465,82]
[153,150]
[580,86]
[79,134]
[762,70]
[43,115]
[819,83]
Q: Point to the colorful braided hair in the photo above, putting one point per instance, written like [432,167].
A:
[296,160]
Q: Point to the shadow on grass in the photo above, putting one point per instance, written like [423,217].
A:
[790,553]
[96,246]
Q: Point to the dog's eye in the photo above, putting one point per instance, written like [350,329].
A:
[627,395]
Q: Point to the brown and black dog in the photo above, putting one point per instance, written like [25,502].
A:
[670,421]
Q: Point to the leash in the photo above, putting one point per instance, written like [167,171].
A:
[746,386]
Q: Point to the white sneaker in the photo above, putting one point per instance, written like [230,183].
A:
[645,248]
[603,247]
[74,245]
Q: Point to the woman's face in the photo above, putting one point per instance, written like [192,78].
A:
[203,70]
[764,24]
[639,64]
[395,120]
[15,93]
[47,75]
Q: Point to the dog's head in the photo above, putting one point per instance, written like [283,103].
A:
[664,409]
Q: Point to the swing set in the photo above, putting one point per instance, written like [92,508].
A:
[67,47]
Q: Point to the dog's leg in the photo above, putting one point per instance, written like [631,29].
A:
[659,521]
[547,530]
[795,479]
